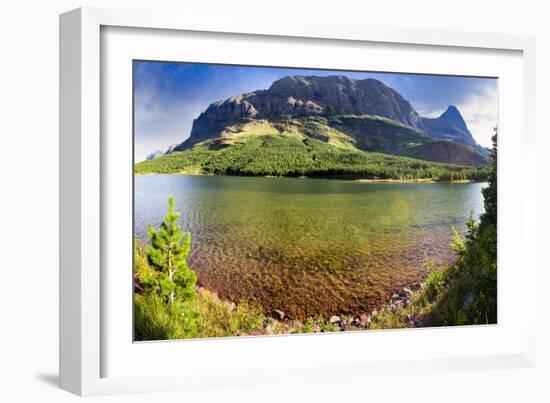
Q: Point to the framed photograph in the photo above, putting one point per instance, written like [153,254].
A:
[241,203]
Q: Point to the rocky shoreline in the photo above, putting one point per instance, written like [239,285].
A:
[398,301]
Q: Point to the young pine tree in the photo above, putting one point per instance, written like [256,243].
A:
[490,192]
[167,254]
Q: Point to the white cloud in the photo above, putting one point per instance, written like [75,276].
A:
[427,111]
[480,111]
[161,122]
[164,117]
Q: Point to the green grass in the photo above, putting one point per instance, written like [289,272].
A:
[205,316]
[219,318]
[155,320]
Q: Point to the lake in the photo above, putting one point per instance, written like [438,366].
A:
[309,246]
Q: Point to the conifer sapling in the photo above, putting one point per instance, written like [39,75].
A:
[167,254]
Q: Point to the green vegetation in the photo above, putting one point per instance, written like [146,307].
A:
[288,155]
[210,317]
[465,292]
[470,294]
[379,134]
[443,150]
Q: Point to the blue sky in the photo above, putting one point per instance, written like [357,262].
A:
[168,96]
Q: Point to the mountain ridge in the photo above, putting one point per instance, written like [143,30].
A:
[450,126]
[304,96]
[365,115]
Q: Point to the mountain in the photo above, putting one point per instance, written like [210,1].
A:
[299,97]
[332,125]
[446,151]
[452,127]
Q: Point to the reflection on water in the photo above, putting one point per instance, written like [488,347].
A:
[309,246]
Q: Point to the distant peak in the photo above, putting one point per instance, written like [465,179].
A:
[453,115]
[452,111]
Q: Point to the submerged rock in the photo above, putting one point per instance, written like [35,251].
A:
[364,320]
[279,314]
[417,286]
[334,319]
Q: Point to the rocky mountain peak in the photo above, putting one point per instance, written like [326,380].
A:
[450,125]
[296,83]
[453,115]
[303,96]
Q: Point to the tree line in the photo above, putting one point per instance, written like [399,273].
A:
[285,156]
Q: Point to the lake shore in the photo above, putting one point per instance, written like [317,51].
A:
[412,181]
[280,323]
[360,180]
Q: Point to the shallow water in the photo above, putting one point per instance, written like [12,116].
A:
[309,246]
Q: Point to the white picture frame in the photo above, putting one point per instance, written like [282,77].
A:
[85,344]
